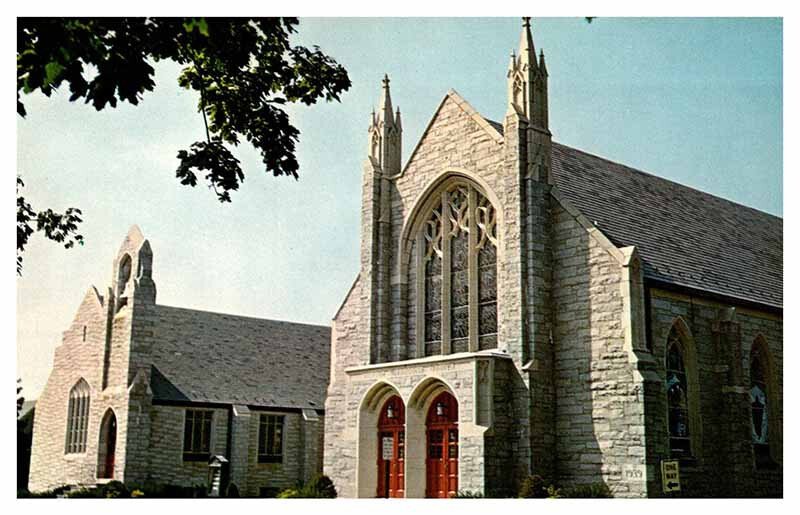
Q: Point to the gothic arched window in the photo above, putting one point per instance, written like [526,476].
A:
[77,417]
[762,417]
[456,273]
[681,390]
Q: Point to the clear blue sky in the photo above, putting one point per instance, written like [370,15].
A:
[698,101]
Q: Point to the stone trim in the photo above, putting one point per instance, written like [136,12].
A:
[430,360]
[593,231]
[347,296]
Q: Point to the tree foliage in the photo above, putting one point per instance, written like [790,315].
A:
[245,71]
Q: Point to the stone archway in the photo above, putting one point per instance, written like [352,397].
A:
[107,447]
[372,406]
[420,403]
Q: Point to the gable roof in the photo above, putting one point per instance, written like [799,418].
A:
[685,237]
[226,359]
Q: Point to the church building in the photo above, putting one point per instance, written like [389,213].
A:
[524,307]
[146,393]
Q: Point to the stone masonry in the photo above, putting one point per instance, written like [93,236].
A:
[149,364]
[575,389]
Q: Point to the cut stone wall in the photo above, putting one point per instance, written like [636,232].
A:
[74,359]
[599,415]
[723,464]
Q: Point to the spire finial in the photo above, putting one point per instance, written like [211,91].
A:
[527,52]
[385,80]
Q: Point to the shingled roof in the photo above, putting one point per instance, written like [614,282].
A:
[226,359]
[685,237]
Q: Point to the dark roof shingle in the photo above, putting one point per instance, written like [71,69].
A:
[217,358]
[684,236]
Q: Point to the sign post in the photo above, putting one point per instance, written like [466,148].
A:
[670,476]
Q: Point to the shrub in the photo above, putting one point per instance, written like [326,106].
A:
[321,487]
[533,487]
[468,494]
[83,493]
[169,491]
[593,490]
[137,493]
[114,490]
[27,494]
[289,493]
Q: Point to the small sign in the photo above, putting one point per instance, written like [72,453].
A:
[670,476]
[388,448]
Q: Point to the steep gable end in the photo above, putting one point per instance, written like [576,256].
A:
[454,115]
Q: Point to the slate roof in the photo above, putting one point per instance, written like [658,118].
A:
[226,359]
[684,236]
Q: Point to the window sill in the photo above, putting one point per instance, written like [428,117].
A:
[270,461]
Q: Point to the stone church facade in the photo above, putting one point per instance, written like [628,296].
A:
[141,392]
[523,307]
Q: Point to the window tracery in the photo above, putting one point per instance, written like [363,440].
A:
[457,261]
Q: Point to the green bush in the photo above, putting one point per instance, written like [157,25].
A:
[533,487]
[168,491]
[591,490]
[84,493]
[321,487]
[468,494]
[114,490]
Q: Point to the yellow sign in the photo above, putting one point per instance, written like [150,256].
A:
[670,476]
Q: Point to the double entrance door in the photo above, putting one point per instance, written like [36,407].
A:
[441,448]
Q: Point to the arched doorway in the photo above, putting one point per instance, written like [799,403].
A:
[391,448]
[106,454]
[441,460]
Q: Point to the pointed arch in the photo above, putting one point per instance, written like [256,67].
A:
[684,427]
[448,261]
[764,406]
[421,401]
[107,445]
[78,417]
[373,404]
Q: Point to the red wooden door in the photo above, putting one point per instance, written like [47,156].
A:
[442,447]
[391,449]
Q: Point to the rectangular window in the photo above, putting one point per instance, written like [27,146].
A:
[197,435]
[270,439]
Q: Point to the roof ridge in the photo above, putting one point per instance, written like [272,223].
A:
[242,316]
[650,174]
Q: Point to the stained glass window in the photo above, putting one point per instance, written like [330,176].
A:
[459,271]
[677,398]
[464,245]
[433,283]
[759,405]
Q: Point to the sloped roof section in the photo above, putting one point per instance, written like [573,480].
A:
[226,359]
[684,236]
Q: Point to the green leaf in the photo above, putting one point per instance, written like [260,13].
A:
[202,26]
[52,71]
